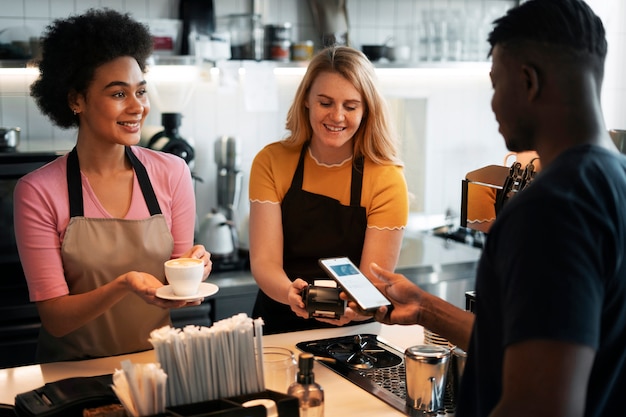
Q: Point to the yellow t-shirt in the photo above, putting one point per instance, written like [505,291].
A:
[384,192]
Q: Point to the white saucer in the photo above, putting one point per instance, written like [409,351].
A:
[206,289]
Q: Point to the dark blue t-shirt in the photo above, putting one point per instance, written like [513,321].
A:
[553,268]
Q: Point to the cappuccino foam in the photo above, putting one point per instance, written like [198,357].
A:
[184,262]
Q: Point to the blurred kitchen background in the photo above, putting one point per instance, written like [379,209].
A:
[436,81]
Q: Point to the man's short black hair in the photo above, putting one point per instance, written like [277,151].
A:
[567,25]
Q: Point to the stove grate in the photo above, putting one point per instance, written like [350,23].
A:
[391,379]
[394,380]
[386,382]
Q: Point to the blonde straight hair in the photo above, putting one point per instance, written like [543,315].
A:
[374,138]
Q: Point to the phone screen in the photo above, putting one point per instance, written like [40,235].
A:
[358,287]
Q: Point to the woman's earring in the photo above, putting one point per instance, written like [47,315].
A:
[75,112]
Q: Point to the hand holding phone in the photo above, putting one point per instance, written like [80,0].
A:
[354,283]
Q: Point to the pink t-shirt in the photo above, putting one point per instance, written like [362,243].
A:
[42,214]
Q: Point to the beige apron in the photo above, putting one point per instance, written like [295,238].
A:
[97,250]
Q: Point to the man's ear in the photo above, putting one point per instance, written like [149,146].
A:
[532,81]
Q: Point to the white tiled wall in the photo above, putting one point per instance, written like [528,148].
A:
[613,13]
[444,116]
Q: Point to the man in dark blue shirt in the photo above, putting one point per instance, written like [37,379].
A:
[548,337]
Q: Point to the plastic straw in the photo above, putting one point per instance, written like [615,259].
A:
[204,364]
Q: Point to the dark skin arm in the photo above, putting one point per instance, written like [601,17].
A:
[412,305]
[540,377]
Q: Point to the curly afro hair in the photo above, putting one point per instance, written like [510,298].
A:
[73,48]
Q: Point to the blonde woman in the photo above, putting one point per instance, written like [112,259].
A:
[334,187]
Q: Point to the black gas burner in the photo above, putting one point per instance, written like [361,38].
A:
[368,362]
[362,353]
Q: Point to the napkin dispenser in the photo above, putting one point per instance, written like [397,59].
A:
[67,397]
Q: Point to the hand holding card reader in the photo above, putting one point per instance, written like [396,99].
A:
[356,285]
[323,302]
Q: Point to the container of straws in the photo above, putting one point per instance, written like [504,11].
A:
[205,371]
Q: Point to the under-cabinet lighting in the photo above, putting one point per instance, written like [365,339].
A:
[182,72]
[19,71]
[426,69]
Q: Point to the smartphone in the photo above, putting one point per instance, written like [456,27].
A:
[354,283]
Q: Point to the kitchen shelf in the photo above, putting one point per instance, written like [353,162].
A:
[16,63]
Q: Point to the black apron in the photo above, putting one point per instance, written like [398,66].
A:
[314,226]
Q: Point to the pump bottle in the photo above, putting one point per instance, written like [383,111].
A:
[310,394]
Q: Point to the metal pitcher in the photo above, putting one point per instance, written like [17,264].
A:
[426,368]
[9,138]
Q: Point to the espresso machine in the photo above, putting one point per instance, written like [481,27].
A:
[218,230]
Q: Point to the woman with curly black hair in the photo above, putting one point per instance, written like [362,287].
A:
[96,225]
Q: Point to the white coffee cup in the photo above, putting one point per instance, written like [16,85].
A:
[184,275]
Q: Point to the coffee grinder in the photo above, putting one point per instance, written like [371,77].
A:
[218,231]
[171,82]
[227,151]
[169,139]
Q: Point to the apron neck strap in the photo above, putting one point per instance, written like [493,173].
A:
[144,183]
[74,185]
[357,176]
[296,181]
[357,182]
[75,189]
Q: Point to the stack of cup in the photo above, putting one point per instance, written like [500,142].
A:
[432,338]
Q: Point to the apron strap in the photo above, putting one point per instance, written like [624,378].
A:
[75,188]
[74,185]
[357,182]
[144,183]
[296,181]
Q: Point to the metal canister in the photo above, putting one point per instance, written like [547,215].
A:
[426,371]
[9,138]
[280,51]
[279,32]
[278,42]
[302,51]
[458,358]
